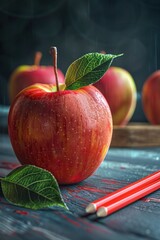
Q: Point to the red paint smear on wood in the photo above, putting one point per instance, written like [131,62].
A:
[122,168]
[21,212]
[74,193]
[91,189]
[151,200]
[75,190]
[35,216]
[3,202]
[83,203]
[86,188]
[92,226]
[77,224]
[77,197]
[9,165]
[111,181]
[81,198]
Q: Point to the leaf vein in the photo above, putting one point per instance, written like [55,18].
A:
[38,181]
[29,190]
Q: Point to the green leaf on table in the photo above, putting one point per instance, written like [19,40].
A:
[88,69]
[32,187]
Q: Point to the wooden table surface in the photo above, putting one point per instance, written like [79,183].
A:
[140,220]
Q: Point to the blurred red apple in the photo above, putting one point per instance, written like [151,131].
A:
[151,98]
[24,76]
[118,87]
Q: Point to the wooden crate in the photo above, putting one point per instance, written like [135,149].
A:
[136,135]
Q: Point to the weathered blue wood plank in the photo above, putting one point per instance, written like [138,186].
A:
[140,220]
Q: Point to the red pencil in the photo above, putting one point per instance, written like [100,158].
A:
[141,183]
[107,209]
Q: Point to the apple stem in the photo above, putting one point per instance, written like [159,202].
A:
[53,52]
[37,58]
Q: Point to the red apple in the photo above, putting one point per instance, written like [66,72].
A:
[151,98]
[67,132]
[24,76]
[118,87]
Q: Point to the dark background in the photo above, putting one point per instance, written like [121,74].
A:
[79,27]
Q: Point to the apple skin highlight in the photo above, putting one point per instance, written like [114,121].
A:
[66,132]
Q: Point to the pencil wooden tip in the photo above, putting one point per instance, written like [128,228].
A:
[91,208]
[102,212]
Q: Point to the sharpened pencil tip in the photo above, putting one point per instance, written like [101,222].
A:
[91,208]
[102,212]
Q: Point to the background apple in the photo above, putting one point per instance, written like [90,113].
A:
[151,98]
[118,87]
[24,76]
[67,132]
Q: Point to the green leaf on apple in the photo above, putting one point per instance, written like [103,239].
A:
[32,187]
[88,69]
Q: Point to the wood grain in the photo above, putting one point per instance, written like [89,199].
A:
[138,221]
[136,135]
